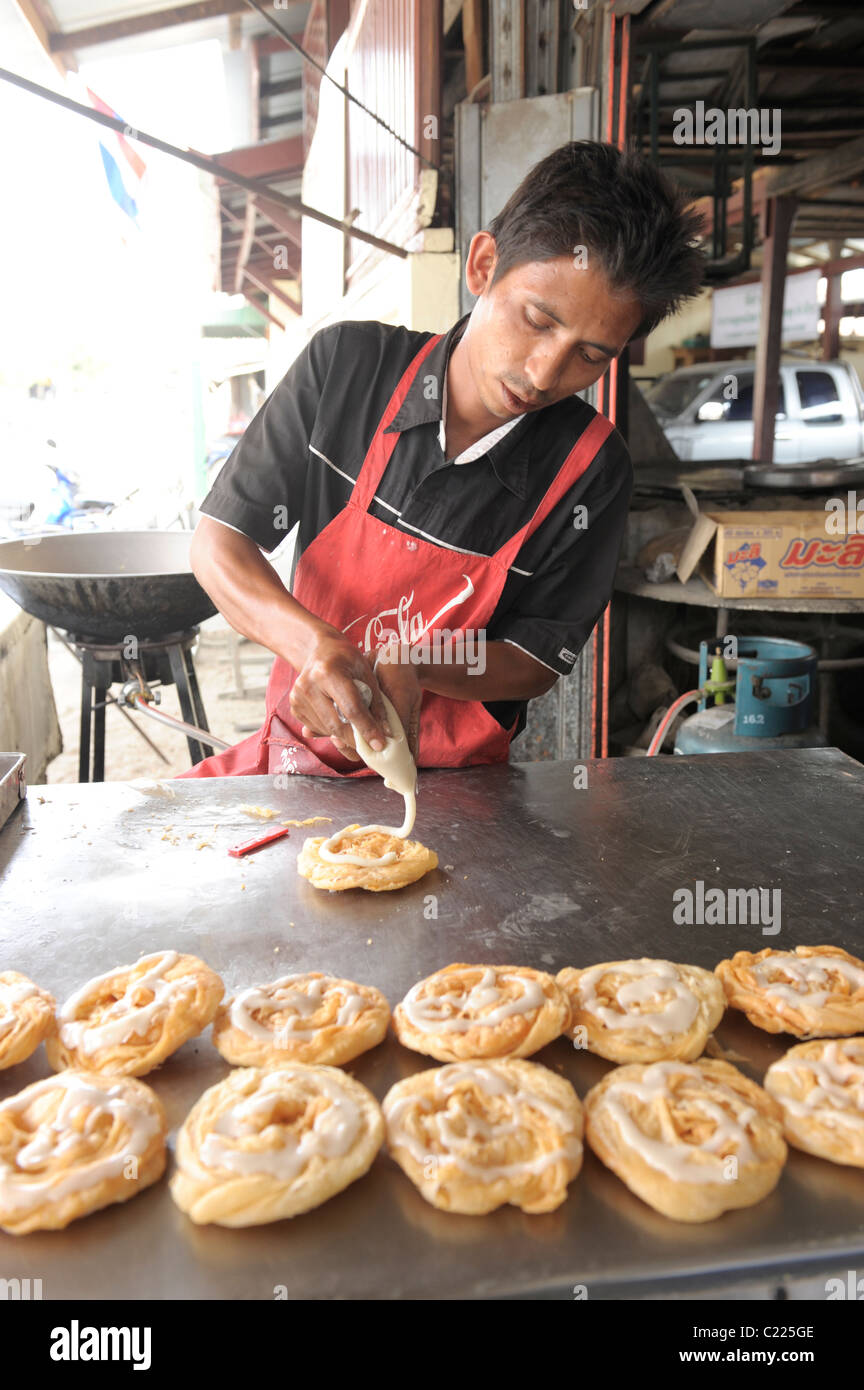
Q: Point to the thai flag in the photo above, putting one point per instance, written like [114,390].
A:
[121,191]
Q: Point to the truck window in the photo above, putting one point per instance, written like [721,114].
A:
[673,393]
[820,402]
[740,407]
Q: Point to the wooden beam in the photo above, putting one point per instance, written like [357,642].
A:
[817,172]
[267,284]
[261,310]
[832,314]
[245,244]
[135,24]
[287,269]
[270,159]
[808,61]
[472,36]
[780,214]
[834,167]
[41,20]
[428,58]
[281,218]
[269,45]
[338,18]
[277,89]
[293,117]
[837,266]
[229,244]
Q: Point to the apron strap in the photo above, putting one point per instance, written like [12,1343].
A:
[382,446]
[580,457]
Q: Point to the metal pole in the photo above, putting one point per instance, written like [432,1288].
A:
[201,161]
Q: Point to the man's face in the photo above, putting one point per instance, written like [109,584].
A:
[545,330]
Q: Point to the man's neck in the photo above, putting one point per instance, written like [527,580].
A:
[467,419]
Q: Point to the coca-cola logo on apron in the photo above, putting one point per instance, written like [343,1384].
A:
[403,626]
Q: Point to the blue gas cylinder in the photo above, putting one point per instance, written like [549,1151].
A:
[773,708]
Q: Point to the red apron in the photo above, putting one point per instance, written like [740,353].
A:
[378,585]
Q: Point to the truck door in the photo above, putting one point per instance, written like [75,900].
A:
[829,427]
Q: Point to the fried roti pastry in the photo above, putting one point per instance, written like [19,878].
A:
[74,1143]
[643,1010]
[271,1142]
[473,1136]
[692,1139]
[310,1018]
[469,1011]
[128,1021]
[410,860]
[820,1087]
[812,992]
[26,1014]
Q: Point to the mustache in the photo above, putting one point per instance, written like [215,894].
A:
[525,393]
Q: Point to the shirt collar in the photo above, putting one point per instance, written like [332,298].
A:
[509,457]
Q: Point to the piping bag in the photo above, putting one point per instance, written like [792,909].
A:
[395,764]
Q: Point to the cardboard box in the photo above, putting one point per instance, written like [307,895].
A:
[791,554]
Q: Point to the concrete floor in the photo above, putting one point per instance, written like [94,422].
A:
[127,756]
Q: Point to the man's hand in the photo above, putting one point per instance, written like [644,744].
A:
[398,678]
[325,683]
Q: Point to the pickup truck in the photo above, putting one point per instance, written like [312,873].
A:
[706,412]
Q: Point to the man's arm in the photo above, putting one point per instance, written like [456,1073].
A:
[509,674]
[250,594]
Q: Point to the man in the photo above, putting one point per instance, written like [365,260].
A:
[449,486]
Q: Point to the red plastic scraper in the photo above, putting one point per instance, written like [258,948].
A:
[239,850]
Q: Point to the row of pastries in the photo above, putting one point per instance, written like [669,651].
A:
[690,1135]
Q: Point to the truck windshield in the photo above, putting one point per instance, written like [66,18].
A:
[674,393]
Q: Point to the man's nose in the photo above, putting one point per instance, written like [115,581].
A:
[544,370]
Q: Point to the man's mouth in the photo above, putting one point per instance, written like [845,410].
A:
[516,402]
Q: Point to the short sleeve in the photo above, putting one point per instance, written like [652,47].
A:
[555,610]
[260,490]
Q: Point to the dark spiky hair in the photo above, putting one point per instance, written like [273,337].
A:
[628,215]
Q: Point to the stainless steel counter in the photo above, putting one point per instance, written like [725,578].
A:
[532,871]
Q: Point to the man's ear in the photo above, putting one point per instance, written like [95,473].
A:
[480,262]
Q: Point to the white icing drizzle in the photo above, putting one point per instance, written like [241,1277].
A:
[671,1154]
[649,980]
[10,995]
[272,1150]
[458,1130]
[395,764]
[125,1018]
[456,1012]
[23,1187]
[806,972]
[838,1090]
[295,998]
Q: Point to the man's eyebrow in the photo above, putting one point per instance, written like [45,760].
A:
[601,347]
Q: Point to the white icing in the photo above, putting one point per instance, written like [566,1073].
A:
[649,981]
[395,764]
[277,1152]
[456,1012]
[10,995]
[837,1092]
[458,1130]
[805,972]
[295,998]
[23,1187]
[125,1018]
[671,1154]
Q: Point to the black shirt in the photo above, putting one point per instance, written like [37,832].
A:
[298,460]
